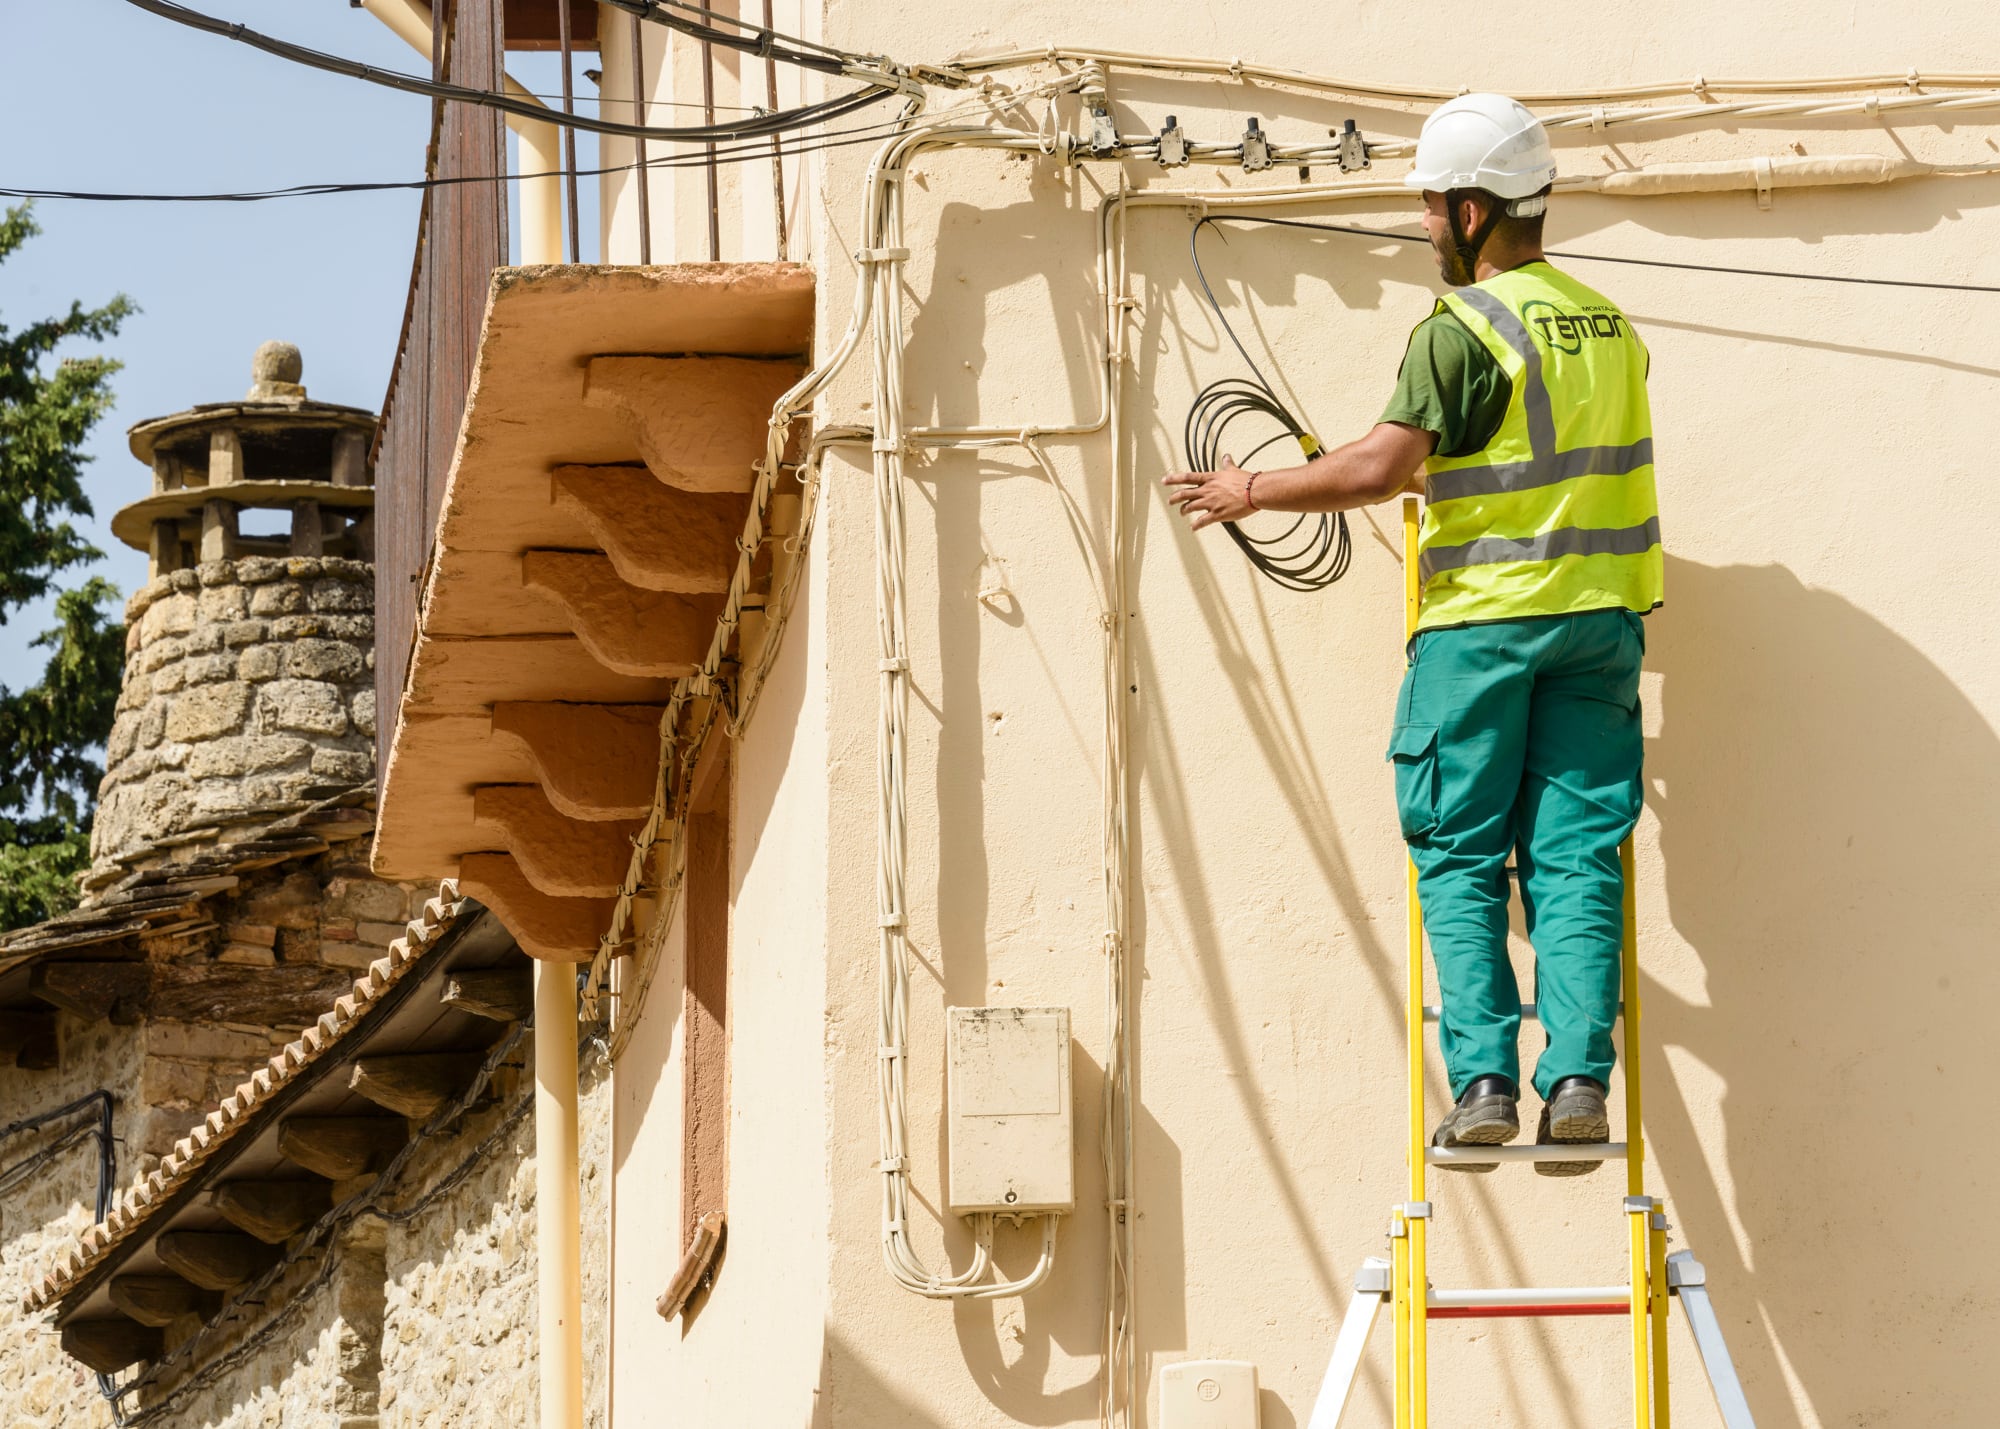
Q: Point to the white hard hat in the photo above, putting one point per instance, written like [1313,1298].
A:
[1483,141]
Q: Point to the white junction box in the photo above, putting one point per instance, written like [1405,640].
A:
[1209,1394]
[1008,1102]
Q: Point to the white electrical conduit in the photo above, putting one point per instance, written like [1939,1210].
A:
[541,144]
[1237,69]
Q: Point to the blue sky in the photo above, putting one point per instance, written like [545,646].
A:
[104,96]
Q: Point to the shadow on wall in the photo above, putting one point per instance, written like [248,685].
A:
[1829,804]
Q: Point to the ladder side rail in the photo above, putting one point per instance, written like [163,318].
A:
[1662,1406]
[1415,1283]
[1638,1206]
[1371,1289]
[1688,1282]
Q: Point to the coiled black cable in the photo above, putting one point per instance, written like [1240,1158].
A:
[1315,549]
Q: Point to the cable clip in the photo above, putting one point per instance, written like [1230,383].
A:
[881,255]
[1912,80]
[891,1053]
[893,1165]
[1417,1210]
[1597,119]
[1761,167]
[892,920]
[1872,105]
[895,664]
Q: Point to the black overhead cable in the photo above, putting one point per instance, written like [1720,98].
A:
[756,39]
[1407,237]
[746,152]
[759,39]
[756,126]
[1314,549]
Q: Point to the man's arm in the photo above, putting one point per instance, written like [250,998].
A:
[1385,463]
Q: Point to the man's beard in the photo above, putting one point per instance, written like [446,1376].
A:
[1452,268]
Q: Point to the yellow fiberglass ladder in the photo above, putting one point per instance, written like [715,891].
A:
[1402,1282]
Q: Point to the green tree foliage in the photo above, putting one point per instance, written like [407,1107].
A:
[50,732]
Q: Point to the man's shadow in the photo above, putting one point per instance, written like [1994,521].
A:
[1829,812]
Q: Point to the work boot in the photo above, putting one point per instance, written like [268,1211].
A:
[1574,1111]
[1485,1116]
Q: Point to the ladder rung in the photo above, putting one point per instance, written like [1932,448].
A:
[1483,1155]
[1527,1312]
[1529,1012]
[1532,1297]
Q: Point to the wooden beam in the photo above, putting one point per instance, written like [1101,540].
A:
[655,537]
[560,856]
[91,990]
[108,1346]
[700,422]
[625,628]
[288,995]
[341,1147]
[594,761]
[414,1084]
[156,1300]
[503,994]
[214,1260]
[563,930]
[28,1036]
[272,1211]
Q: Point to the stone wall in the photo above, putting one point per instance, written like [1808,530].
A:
[421,1317]
[263,961]
[43,1210]
[248,688]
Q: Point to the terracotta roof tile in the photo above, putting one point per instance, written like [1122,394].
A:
[192,1150]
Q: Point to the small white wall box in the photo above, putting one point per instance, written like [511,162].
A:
[1208,1394]
[1007,1092]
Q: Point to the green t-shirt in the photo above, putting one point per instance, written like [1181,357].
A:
[1450,386]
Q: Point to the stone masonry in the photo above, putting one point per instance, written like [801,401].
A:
[249,686]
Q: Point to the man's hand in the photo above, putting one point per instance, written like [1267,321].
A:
[1206,497]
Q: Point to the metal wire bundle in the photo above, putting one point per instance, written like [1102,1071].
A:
[1313,551]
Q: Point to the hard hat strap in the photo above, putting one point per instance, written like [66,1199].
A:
[1467,245]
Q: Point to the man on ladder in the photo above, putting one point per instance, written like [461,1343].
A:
[1521,412]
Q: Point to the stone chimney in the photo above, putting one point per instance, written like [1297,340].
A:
[249,664]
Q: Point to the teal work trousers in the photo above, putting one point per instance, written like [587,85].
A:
[1522,737]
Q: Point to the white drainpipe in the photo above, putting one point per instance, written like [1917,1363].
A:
[541,144]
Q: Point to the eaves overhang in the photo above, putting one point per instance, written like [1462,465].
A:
[579,565]
[325,1124]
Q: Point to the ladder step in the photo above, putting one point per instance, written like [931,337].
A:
[1486,1155]
[1529,1012]
[1529,1312]
[1587,1299]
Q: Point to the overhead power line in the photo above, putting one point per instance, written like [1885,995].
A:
[1576,257]
[777,122]
[735,154]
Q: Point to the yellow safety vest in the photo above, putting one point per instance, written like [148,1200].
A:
[1557,513]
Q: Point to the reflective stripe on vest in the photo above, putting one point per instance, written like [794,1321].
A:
[1528,526]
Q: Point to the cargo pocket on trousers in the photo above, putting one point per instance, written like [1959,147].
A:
[1413,750]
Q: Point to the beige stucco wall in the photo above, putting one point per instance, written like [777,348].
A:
[751,1352]
[1816,891]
